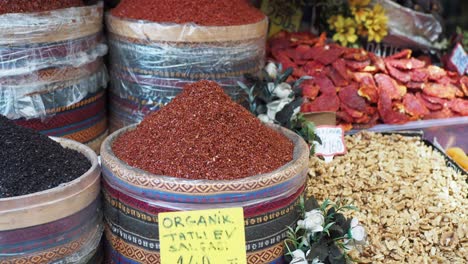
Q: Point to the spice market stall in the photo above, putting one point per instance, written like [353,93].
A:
[181,75]
[52,76]
[160,46]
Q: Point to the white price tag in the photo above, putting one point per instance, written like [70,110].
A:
[333,144]
[459,59]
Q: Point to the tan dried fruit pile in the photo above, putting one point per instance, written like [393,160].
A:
[415,208]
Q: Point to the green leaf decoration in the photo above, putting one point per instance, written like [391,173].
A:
[259,95]
[280,67]
[243,86]
[300,80]
[331,212]
[328,245]
[284,76]
[325,204]
[250,96]
[327,227]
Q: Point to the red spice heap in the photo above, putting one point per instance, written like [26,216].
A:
[203,134]
[200,12]
[29,6]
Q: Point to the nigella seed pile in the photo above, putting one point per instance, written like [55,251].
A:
[31,162]
[203,134]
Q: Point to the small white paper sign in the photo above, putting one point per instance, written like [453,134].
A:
[333,144]
[459,59]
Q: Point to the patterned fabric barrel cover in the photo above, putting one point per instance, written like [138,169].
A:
[52,76]
[133,198]
[151,62]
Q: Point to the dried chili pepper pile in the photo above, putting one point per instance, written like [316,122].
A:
[200,12]
[365,89]
[30,6]
[203,134]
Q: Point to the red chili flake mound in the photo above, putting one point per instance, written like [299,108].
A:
[29,6]
[200,12]
[203,134]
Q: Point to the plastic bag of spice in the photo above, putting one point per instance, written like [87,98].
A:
[409,28]
[65,37]
[151,62]
[18,60]
[42,94]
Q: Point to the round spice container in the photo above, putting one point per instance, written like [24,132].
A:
[133,199]
[59,225]
[52,76]
[35,41]
[151,61]
[66,102]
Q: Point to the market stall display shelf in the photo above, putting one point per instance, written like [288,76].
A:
[448,132]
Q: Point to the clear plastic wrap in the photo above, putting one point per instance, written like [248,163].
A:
[60,38]
[151,62]
[51,26]
[37,95]
[34,59]
[448,132]
[409,28]
[50,60]
[59,225]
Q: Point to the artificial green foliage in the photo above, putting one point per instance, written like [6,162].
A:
[265,92]
[330,243]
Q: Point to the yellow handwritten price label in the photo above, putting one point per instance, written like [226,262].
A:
[215,236]
[283,15]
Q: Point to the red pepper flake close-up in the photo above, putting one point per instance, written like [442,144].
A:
[200,12]
[31,6]
[203,134]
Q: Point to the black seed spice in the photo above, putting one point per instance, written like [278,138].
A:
[31,162]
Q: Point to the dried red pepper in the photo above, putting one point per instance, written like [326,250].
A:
[370,88]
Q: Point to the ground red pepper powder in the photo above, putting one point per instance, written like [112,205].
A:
[203,134]
[29,6]
[200,12]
